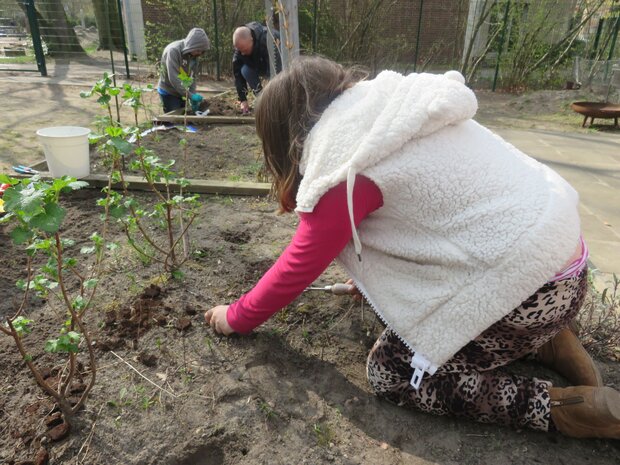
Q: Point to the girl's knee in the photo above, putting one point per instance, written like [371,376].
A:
[388,367]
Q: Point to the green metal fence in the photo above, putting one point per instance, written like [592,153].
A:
[18,45]
[43,30]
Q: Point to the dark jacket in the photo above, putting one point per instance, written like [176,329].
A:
[258,60]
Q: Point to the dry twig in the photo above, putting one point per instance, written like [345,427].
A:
[142,376]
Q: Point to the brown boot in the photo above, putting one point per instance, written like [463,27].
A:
[565,354]
[586,411]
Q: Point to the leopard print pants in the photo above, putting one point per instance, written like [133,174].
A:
[471,384]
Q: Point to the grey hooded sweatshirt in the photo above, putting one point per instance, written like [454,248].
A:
[176,56]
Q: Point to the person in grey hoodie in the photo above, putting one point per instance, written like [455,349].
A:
[181,54]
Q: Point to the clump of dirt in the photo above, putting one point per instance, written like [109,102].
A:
[133,320]
[219,106]
[254,270]
[236,237]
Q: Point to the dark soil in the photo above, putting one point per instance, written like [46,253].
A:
[226,152]
[221,106]
[293,392]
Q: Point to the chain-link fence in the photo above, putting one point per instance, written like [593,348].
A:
[507,43]
[68,30]
[17,19]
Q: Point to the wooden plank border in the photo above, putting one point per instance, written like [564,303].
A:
[198,186]
[176,116]
[180,119]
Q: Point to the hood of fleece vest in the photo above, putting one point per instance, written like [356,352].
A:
[372,120]
[196,41]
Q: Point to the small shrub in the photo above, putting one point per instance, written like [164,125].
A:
[598,323]
[35,215]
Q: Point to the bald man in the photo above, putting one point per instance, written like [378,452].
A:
[251,60]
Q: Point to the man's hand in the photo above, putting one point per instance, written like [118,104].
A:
[216,318]
[245,107]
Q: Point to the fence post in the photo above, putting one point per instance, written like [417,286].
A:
[122,32]
[270,43]
[417,39]
[217,41]
[289,31]
[597,37]
[315,25]
[612,47]
[36,37]
[614,38]
[501,44]
[110,46]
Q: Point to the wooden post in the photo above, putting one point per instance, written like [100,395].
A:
[289,30]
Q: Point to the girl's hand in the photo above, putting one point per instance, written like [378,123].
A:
[216,318]
[355,292]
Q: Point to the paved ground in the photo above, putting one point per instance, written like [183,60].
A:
[590,162]
[86,71]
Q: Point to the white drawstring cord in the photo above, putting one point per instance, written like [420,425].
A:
[350,185]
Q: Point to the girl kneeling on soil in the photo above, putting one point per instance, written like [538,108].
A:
[469,250]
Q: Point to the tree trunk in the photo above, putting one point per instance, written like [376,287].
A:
[56,32]
[108,24]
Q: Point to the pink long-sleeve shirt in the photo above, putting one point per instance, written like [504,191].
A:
[319,239]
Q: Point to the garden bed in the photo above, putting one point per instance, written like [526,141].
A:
[222,109]
[292,392]
[227,152]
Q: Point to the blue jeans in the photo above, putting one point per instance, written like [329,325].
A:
[252,77]
[171,102]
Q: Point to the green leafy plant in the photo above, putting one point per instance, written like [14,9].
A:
[186,82]
[104,90]
[172,212]
[324,434]
[267,410]
[35,215]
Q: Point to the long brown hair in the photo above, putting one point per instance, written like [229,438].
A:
[288,108]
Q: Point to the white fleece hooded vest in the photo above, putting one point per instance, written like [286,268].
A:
[470,226]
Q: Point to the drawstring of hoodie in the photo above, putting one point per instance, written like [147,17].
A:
[350,185]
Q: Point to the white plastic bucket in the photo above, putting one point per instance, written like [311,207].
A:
[66,150]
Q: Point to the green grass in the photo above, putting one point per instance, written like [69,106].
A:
[18,60]
[90,49]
